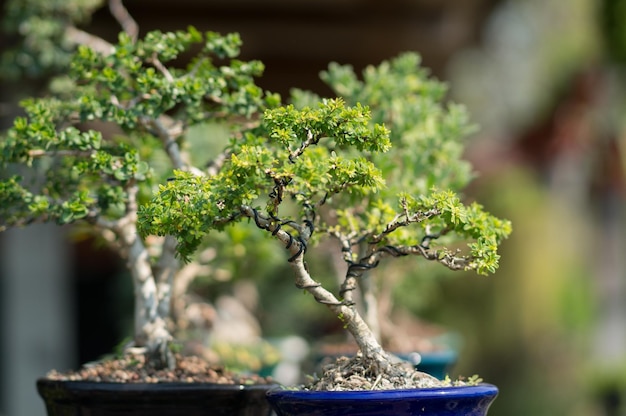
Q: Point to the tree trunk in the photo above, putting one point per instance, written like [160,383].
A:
[355,324]
[150,324]
[370,305]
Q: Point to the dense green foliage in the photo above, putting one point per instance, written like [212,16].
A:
[260,166]
[364,182]
[87,174]
[322,159]
[428,136]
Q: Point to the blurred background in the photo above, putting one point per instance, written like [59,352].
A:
[545,81]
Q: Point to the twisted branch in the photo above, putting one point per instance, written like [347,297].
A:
[310,140]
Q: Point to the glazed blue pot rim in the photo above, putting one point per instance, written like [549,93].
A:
[483,389]
[163,387]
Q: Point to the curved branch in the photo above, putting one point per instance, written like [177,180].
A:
[444,257]
[154,60]
[126,21]
[214,166]
[365,338]
[404,220]
[310,140]
[80,37]
[168,135]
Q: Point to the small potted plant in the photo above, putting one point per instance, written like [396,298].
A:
[427,148]
[322,175]
[90,156]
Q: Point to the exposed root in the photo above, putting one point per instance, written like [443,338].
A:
[358,373]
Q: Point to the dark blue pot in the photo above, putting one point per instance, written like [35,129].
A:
[442,401]
[84,398]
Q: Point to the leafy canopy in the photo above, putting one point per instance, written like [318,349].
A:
[284,150]
[64,172]
[321,160]
[387,173]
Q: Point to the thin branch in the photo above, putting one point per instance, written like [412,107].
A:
[277,193]
[154,60]
[214,166]
[196,66]
[402,221]
[183,279]
[168,139]
[35,153]
[295,245]
[126,21]
[444,257]
[308,142]
[80,37]
[346,245]
[449,260]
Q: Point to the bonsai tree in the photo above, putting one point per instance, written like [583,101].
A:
[309,175]
[427,139]
[92,153]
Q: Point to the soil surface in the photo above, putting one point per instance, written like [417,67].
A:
[135,369]
[357,374]
[341,375]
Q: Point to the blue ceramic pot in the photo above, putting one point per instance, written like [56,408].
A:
[441,401]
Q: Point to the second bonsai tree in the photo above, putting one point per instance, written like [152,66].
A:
[91,153]
[315,175]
